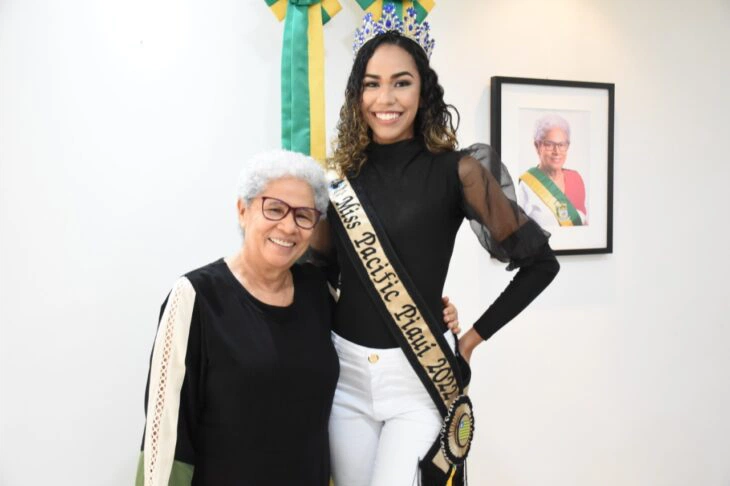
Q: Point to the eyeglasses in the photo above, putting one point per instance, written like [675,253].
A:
[561,147]
[275,210]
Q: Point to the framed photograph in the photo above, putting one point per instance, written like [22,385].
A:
[556,139]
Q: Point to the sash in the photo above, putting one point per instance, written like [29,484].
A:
[418,333]
[552,196]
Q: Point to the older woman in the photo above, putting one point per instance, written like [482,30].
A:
[243,369]
[551,194]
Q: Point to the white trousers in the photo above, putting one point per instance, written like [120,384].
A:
[383,420]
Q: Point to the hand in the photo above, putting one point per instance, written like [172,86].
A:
[468,343]
[451,315]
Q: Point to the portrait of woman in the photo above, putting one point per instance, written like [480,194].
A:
[551,194]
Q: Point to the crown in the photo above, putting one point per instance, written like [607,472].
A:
[390,22]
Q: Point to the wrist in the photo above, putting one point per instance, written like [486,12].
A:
[469,342]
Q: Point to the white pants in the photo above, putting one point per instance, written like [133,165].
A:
[383,420]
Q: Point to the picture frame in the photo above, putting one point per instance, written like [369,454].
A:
[556,139]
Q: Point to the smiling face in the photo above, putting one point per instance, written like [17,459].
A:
[391,94]
[553,149]
[276,244]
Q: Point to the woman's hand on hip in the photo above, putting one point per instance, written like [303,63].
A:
[451,315]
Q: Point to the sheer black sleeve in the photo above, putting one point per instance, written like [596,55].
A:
[489,202]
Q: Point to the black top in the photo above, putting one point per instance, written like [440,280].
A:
[421,200]
[258,382]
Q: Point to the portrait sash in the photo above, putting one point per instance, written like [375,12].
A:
[551,195]
[419,334]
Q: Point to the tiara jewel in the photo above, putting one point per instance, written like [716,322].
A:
[390,22]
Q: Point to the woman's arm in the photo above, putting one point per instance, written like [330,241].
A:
[171,398]
[451,315]
[321,241]
[531,279]
[322,253]
[509,235]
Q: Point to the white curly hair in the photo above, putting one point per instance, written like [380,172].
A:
[547,122]
[265,167]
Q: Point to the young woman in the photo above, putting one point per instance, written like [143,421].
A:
[396,144]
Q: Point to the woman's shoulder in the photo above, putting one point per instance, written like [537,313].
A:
[572,175]
[447,156]
[445,164]
[208,278]
[311,283]
[470,162]
[483,153]
[191,286]
[309,274]
[465,166]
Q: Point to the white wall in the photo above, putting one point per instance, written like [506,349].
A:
[122,127]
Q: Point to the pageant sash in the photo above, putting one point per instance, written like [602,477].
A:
[415,329]
[552,197]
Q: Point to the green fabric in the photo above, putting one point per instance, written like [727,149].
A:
[139,481]
[421,12]
[296,131]
[181,474]
[295,120]
[286,80]
[557,193]
[364,4]
[270,2]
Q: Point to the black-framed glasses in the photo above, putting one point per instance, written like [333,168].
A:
[275,210]
[560,146]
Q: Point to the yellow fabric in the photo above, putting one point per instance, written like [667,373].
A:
[279,9]
[331,7]
[316,84]
[450,482]
[545,196]
[315,67]
[376,9]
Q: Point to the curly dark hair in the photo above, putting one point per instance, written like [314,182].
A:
[434,120]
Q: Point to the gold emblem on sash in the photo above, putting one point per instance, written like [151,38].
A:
[561,211]
[458,431]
